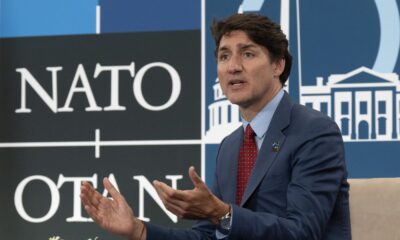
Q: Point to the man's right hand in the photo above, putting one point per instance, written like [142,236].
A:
[114,214]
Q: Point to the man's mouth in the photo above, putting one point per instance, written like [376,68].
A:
[236,82]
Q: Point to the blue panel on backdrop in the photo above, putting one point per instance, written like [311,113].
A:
[337,37]
[19,18]
[371,160]
[346,64]
[150,15]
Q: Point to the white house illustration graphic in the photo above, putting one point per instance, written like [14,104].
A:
[364,103]
[224,117]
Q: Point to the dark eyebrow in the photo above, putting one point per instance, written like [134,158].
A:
[223,48]
[241,47]
[246,46]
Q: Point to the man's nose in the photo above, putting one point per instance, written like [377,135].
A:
[235,65]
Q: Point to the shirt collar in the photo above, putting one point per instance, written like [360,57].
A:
[261,121]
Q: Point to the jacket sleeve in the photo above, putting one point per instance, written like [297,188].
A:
[317,170]
[201,231]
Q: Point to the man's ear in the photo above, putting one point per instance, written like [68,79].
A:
[279,66]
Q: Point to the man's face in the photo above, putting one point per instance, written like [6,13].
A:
[245,71]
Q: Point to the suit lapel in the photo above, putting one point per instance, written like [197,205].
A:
[268,151]
[233,144]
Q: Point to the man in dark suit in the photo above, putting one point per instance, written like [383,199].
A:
[280,176]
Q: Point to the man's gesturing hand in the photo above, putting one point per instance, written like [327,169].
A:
[113,215]
[198,203]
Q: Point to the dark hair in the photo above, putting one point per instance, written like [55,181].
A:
[261,30]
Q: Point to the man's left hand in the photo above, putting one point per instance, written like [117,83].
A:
[198,203]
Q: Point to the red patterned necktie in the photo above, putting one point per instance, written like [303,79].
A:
[247,158]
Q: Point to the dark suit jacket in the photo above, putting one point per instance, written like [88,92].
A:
[298,191]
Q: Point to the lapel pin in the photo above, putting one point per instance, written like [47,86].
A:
[275,146]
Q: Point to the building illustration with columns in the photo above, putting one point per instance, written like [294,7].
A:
[224,117]
[364,103]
